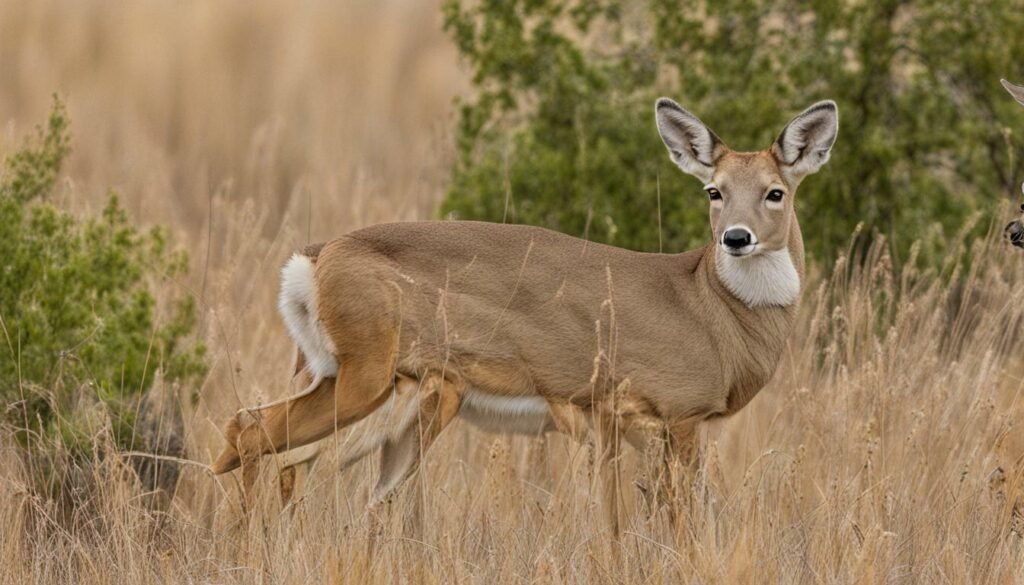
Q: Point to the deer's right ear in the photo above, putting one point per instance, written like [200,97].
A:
[691,145]
[1017,91]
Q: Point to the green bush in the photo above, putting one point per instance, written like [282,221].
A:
[80,319]
[560,130]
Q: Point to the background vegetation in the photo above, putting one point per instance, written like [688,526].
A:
[78,313]
[887,449]
[559,131]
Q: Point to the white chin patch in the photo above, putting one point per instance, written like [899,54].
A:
[763,280]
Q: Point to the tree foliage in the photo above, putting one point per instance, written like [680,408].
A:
[77,303]
[560,129]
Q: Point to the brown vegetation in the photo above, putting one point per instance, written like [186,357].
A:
[887,449]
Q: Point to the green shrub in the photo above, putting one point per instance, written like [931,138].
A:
[560,130]
[80,318]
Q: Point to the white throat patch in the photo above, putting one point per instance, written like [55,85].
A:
[763,280]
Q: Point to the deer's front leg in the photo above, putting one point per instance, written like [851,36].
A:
[671,461]
[681,465]
[598,427]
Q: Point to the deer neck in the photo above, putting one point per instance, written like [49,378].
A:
[762,327]
[770,279]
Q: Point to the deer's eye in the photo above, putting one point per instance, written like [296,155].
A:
[775,195]
[714,194]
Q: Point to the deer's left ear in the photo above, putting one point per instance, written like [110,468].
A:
[806,142]
[691,144]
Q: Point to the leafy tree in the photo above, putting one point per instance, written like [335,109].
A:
[560,130]
[77,306]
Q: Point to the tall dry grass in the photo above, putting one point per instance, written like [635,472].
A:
[887,448]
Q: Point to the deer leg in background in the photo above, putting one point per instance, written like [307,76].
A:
[400,457]
[304,456]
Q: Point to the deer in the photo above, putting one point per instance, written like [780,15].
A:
[521,329]
[1014,231]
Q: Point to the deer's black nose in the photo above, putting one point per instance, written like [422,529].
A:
[737,238]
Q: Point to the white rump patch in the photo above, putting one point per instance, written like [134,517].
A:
[298,306]
[527,415]
[761,280]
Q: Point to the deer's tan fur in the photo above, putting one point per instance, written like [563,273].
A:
[524,329]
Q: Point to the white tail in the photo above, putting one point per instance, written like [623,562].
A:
[298,306]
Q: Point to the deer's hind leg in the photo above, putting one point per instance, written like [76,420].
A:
[364,437]
[363,384]
[287,474]
[359,389]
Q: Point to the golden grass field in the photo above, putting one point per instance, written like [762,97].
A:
[886,450]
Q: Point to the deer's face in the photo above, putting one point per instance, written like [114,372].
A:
[751,204]
[750,194]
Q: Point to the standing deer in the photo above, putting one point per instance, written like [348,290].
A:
[1014,231]
[518,328]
